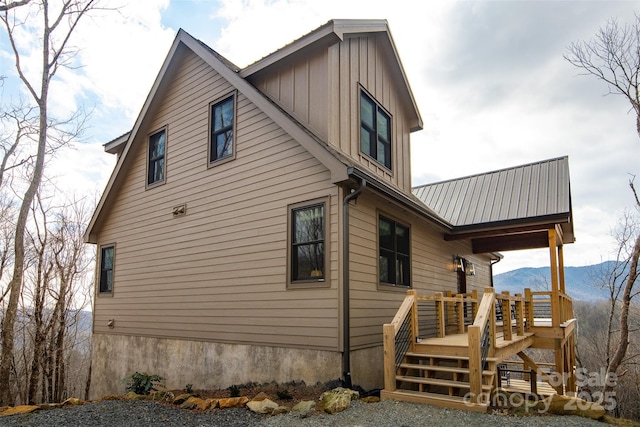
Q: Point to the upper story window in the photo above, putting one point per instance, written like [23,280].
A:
[106,269]
[375,131]
[156,166]
[394,243]
[308,248]
[221,125]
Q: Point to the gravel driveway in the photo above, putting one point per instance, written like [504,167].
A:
[389,413]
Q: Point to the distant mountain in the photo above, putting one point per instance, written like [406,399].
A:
[580,282]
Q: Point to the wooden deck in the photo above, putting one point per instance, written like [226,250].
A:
[458,345]
[521,386]
[459,367]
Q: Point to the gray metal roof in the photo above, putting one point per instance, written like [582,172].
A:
[536,190]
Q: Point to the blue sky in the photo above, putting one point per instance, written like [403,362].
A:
[488,77]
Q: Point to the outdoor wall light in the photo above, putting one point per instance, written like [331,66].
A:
[471,269]
[458,264]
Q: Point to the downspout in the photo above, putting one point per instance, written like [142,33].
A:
[491,264]
[346,332]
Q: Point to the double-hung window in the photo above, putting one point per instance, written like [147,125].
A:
[394,244]
[375,131]
[308,230]
[221,126]
[156,166]
[106,269]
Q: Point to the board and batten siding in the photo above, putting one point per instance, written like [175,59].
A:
[322,90]
[301,86]
[373,305]
[219,272]
[362,62]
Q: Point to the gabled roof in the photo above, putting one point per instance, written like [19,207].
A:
[535,195]
[337,30]
[183,40]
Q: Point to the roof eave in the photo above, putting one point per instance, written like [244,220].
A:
[409,202]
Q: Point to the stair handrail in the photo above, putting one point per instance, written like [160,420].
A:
[481,342]
[394,352]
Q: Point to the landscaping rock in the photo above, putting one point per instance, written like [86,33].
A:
[73,401]
[304,408]
[21,409]
[370,399]
[208,404]
[133,396]
[265,406]
[566,405]
[233,402]
[112,397]
[191,403]
[280,410]
[163,395]
[260,396]
[179,400]
[47,406]
[337,400]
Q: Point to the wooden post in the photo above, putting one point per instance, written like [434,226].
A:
[440,314]
[475,303]
[555,297]
[451,312]
[561,269]
[559,361]
[389,343]
[519,315]
[571,389]
[492,325]
[506,315]
[414,319]
[529,302]
[534,382]
[460,314]
[475,363]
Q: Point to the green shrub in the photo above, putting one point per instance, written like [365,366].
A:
[284,394]
[234,391]
[142,383]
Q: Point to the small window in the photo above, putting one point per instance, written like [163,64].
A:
[221,142]
[394,243]
[308,243]
[106,269]
[375,131]
[156,167]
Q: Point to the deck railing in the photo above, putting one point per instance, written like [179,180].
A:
[399,337]
[482,342]
[510,315]
[495,316]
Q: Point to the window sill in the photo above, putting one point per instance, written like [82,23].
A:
[309,284]
[390,287]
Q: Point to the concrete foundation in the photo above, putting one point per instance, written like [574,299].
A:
[208,365]
[367,367]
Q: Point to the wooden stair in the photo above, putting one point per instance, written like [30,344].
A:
[440,380]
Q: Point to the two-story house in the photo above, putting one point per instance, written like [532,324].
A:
[260,223]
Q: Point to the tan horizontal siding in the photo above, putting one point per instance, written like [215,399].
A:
[218,273]
[373,305]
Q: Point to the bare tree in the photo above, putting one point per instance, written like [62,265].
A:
[57,27]
[4,6]
[613,57]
